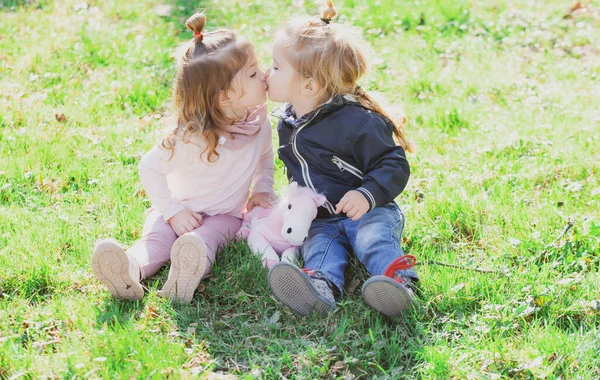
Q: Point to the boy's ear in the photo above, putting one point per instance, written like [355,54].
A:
[310,87]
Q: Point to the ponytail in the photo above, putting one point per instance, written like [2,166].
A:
[370,103]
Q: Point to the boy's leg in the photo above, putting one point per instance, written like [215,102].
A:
[122,271]
[194,253]
[375,238]
[327,250]
[325,258]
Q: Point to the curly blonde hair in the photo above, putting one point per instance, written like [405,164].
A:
[332,55]
[206,65]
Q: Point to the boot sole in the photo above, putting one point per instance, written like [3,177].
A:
[291,287]
[111,266]
[188,262]
[386,296]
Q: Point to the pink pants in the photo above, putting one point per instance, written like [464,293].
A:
[153,250]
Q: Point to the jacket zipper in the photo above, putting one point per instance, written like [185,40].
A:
[304,164]
[343,165]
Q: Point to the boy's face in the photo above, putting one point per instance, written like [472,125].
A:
[282,80]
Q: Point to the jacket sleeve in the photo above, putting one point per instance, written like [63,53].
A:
[385,168]
[263,176]
[153,170]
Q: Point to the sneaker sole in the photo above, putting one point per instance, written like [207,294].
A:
[291,287]
[386,296]
[188,262]
[111,266]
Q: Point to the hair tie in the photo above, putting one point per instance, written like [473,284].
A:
[198,35]
[326,20]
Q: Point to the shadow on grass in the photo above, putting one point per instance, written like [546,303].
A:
[115,311]
[244,328]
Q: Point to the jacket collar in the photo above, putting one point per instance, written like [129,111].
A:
[286,112]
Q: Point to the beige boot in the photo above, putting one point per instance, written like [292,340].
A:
[117,271]
[188,263]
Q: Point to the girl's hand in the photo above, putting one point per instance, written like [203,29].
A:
[265,200]
[353,204]
[185,221]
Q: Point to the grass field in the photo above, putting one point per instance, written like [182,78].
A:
[503,106]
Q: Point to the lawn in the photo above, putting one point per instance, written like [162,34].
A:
[502,100]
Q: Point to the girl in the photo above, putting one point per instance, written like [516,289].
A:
[198,177]
[335,139]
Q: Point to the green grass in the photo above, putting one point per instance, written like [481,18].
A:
[502,100]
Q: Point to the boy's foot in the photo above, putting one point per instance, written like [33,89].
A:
[389,296]
[391,293]
[302,290]
[188,262]
[119,273]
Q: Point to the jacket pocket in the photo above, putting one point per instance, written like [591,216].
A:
[344,166]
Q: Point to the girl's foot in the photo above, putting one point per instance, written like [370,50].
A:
[302,290]
[389,296]
[188,263]
[119,273]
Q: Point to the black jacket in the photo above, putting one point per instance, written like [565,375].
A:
[342,146]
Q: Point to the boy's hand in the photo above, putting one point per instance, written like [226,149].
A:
[353,204]
[185,221]
[265,200]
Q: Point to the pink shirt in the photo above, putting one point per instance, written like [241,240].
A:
[188,181]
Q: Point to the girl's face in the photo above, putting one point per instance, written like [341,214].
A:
[282,79]
[251,85]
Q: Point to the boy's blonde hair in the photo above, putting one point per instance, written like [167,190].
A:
[332,56]
[206,65]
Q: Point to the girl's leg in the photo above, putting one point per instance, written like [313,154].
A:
[216,231]
[121,272]
[194,253]
[153,250]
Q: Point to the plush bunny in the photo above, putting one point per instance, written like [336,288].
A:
[275,234]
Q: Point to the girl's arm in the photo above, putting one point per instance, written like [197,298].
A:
[386,169]
[153,170]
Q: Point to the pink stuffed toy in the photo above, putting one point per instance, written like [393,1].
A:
[275,234]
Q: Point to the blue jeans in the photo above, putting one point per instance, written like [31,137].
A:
[374,238]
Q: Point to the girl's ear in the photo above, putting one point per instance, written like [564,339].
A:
[223,98]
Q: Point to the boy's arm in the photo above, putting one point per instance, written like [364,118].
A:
[386,169]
